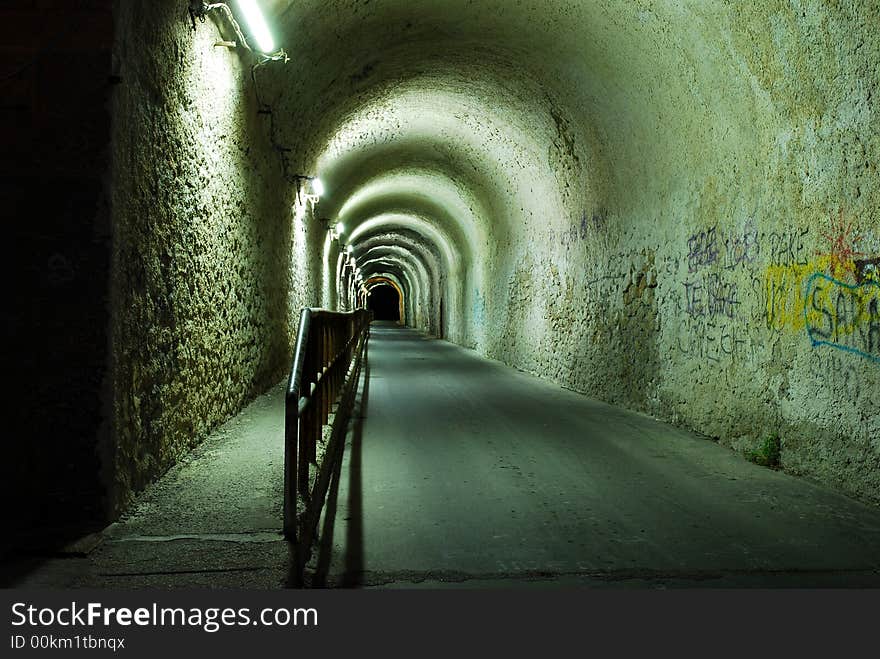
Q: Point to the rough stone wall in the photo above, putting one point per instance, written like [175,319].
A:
[203,284]
[788,280]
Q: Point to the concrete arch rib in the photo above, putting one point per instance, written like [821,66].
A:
[389,244]
[456,265]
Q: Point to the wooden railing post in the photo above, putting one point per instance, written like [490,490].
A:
[328,349]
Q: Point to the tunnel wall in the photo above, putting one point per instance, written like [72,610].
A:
[723,275]
[204,291]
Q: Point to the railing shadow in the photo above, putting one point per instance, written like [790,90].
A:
[353,558]
[354,535]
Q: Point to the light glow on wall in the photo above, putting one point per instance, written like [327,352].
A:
[257,25]
[326,292]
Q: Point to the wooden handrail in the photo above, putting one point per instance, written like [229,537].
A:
[328,349]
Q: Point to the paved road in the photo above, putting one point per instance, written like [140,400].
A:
[461,471]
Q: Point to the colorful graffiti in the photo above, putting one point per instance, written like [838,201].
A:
[830,294]
[843,316]
[784,293]
[833,297]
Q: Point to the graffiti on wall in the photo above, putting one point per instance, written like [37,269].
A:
[713,341]
[711,247]
[713,296]
[841,248]
[783,300]
[788,247]
[844,316]
[741,249]
[832,297]
[740,287]
[581,228]
[831,294]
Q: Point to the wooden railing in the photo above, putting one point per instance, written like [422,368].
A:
[325,371]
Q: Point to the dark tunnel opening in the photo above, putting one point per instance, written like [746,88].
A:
[384,302]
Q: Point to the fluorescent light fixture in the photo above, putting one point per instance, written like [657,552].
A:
[257,25]
[340,228]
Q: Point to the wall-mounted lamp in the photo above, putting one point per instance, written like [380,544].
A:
[254,19]
[310,186]
[336,230]
[257,25]
[350,248]
[308,191]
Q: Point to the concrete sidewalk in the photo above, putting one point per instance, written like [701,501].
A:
[212,521]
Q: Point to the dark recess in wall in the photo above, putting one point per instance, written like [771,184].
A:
[55,85]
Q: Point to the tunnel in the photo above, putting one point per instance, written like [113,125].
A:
[666,213]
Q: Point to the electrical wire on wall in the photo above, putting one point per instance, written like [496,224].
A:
[199,9]
[266,108]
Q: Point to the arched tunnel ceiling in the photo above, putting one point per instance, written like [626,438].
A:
[491,125]
[426,194]
[474,89]
[426,251]
[400,223]
[405,248]
[404,257]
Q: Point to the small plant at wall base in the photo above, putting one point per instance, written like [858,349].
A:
[769,453]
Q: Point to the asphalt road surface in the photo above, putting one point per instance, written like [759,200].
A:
[461,471]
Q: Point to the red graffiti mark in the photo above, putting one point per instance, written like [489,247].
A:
[841,243]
